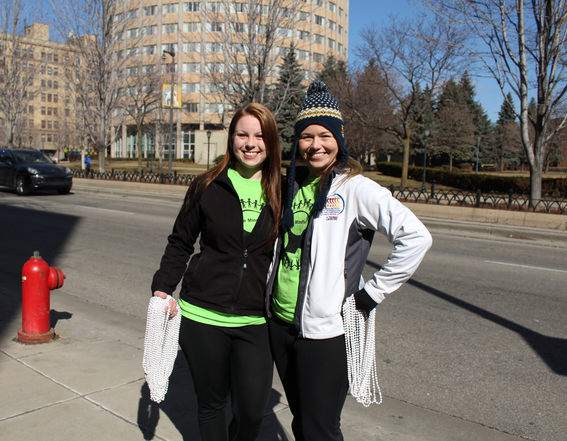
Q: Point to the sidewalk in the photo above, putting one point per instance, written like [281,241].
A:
[89,385]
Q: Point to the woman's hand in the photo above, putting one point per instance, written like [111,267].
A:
[173,310]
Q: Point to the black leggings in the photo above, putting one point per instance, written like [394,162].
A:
[228,360]
[315,379]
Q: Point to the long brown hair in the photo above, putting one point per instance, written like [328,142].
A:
[271,168]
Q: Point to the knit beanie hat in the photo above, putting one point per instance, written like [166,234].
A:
[322,109]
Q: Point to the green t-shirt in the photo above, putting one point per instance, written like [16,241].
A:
[252,201]
[284,297]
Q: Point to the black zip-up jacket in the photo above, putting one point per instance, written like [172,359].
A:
[229,274]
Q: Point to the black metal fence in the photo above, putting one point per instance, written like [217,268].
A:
[498,201]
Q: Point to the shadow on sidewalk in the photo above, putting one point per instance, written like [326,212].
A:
[180,406]
[24,231]
[552,350]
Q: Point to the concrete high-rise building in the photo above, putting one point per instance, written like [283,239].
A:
[209,39]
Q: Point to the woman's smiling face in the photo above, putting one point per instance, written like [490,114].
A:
[249,148]
[318,147]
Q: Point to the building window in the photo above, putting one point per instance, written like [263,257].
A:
[188,145]
[303,35]
[318,58]
[150,10]
[49,137]
[332,7]
[49,97]
[55,98]
[191,87]
[191,47]
[320,3]
[215,6]
[192,6]
[305,16]
[43,96]
[55,85]
[214,108]
[67,112]
[240,27]
[49,125]
[169,28]
[193,107]
[191,67]
[319,20]
[170,47]
[30,123]
[332,25]
[150,30]
[133,13]
[43,110]
[240,7]
[340,30]
[303,55]
[214,47]
[49,111]
[170,8]
[133,33]
[192,27]
[43,125]
[319,39]
[216,26]
[149,50]
[331,43]
[133,52]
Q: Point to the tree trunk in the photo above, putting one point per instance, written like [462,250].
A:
[139,145]
[450,162]
[405,162]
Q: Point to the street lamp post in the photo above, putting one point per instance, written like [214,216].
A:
[209,133]
[31,138]
[426,133]
[477,150]
[171,67]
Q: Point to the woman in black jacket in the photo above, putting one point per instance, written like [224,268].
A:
[235,208]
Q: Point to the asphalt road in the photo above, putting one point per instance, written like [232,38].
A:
[479,332]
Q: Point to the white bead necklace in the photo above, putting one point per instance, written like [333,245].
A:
[160,346]
[360,328]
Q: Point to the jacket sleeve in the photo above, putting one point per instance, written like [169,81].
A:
[180,247]
[377,209]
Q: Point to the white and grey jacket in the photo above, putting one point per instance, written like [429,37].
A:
[336,246]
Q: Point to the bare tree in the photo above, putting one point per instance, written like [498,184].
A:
[522,45]
[94,30]
[17,71]
[247,38]
[410,55]
[141,97]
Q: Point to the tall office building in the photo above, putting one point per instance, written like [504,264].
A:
[37,75]
[213,43]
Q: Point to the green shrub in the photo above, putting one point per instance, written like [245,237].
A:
[218,159]
[472,181]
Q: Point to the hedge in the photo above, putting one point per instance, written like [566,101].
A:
[473,182]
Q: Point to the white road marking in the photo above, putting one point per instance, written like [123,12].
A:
[526,266]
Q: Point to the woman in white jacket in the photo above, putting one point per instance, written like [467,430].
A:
[331,214]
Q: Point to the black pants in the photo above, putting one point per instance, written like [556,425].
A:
[315,379]
[223,361]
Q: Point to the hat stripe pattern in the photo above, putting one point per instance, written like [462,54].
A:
[319,111]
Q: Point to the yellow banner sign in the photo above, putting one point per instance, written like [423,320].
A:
[166,96]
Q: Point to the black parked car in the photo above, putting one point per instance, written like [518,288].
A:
[31,170]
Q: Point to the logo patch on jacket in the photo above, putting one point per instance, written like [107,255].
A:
[335,206]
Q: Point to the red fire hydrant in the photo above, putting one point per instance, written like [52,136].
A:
[37,279]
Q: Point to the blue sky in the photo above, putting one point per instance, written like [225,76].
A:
[367,12]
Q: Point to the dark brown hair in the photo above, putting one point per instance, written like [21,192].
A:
[271,168]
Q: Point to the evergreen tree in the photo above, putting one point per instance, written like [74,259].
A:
[288,94]
[507,112]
